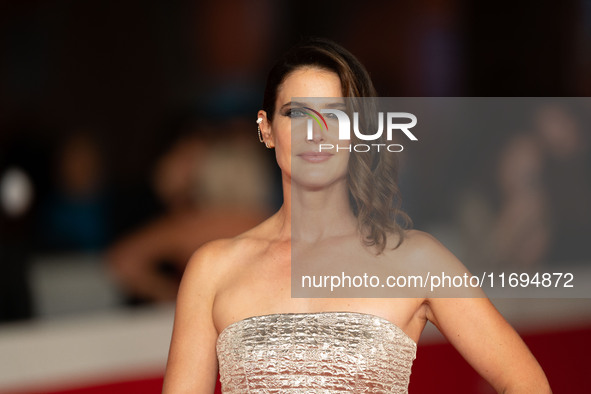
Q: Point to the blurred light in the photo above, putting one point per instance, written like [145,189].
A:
[16,192]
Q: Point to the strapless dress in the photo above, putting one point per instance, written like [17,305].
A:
[326,352]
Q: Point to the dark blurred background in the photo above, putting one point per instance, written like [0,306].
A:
[115,118]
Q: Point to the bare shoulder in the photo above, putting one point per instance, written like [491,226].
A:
[420,241]
[214,260]
[442,273]
[425,251]
[208,258]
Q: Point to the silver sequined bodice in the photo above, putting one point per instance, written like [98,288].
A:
[327,352]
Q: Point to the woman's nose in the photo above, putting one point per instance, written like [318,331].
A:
[317,132]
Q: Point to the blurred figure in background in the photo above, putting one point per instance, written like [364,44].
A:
[74,216]
[545,214]
[522,230]
[21,165]
[214,184]
[567,165]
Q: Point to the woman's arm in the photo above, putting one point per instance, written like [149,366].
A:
[479,332]
[192,361]
[488,343]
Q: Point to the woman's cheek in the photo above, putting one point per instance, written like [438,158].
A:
[286,155]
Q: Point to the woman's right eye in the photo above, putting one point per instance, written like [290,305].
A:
[295,113]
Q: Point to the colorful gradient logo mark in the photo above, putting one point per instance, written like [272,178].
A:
[311,114]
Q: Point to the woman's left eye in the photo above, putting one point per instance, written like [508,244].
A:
[330,116]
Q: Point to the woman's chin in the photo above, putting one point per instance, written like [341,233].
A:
[315,182]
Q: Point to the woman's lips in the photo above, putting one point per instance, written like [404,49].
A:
[315,157]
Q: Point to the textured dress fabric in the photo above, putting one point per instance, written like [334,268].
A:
[326,352]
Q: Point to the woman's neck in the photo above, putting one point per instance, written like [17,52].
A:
[311,215]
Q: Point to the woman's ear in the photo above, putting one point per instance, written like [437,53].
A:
[266,130]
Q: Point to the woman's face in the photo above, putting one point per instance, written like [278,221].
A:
[306,161]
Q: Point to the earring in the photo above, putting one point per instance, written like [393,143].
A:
[259,121]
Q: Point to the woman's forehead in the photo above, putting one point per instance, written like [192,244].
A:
[310,82]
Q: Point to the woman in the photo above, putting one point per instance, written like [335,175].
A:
[235,304]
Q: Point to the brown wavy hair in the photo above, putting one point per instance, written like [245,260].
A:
[372,177]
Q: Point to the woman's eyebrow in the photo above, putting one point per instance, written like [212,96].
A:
[293,103]
[338,104]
